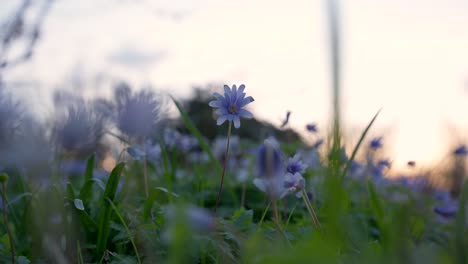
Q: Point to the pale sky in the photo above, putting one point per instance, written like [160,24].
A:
[408,57]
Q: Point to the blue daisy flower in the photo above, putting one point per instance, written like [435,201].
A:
[230,106]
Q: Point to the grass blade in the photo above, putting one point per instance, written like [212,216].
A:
[376,203]
[358,145]
[106,209]
[126,228]
[86,191]
[195,132]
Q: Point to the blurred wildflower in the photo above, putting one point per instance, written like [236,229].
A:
[270,168]
[219,148]
[149,151]
[411,163]
[230,107]
[311,128]
[286,120]
[376,143]
[447,210]
[295,165]
[196,218]
[294,183]
[357,169]
[461,151]
[139,113]
[80,130]
[171,136]
[384,163]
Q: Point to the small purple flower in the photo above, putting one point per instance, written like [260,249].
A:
[461,151]
[293,184]
[295,165]
[230,106]
[312,128]
[376,143]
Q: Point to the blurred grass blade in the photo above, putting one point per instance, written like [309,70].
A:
[167,171]
[89,168]
[86,191]
[358,145]
[116,210]
[375,203]
[78,251]
[106,209]
[195,132]
[149,204]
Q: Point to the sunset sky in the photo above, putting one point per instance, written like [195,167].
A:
[409,58]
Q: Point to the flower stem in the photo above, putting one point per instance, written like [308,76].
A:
[226,158]
[310,209]
[145,172]
[243,196]
[5,221]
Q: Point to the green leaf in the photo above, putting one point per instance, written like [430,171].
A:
[243,218]
[78,204]
[106,209]
[195,132]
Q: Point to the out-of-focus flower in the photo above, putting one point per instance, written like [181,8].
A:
[461,151]
[312,128]
[411,163]
[80,130]
[270,168]
[30,151]
[295,165]
[187,143]
[447,211]
[198,219]
[310,157]
[384,163]
[231,105]
[376,143]
[219,147]
[139,113]
[149,151]
[286,120]
[293,184]
[356,169]
[171,136]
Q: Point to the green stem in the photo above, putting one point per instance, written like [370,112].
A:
[263,216]
[310,209]
[5,221]
[243,196]
[226,158]
[145,172]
